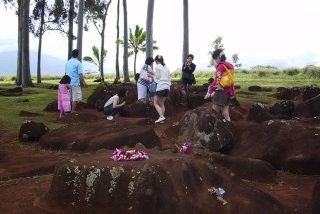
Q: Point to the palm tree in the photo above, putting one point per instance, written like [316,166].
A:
[185,51]
[96,58]
[149,43]
[97,11]
[117,43]
[25,61]
[125,42]
[80,28]
[137,42]
[71,15]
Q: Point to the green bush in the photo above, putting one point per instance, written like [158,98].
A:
[175,74]
[312,71]
[46,77]
[276,73]
[13,78]
[291,71]
[244,71]
[2,78]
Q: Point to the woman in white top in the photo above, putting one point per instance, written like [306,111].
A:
[145,78]
[162,78]
[113,105]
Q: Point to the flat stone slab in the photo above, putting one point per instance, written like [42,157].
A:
[102,134]
[165,183]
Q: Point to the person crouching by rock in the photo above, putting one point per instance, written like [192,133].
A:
[113,105]
[162,78]
[220,95]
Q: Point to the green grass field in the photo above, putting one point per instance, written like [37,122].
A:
[39,96]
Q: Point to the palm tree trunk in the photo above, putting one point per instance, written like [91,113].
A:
[80,28]
[149,29]
[26,77]
[135,63]
[102,49]
[70,31]
[117,51]
[125,43]
[19,57]
[40,43]
[185,50]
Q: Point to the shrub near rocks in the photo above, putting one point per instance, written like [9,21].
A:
[32,131]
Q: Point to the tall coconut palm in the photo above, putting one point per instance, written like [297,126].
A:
[25,62]
[117,43]
[71,15]
[23,76]
[149,42]
[96,57]
[125,43]
[137,42]
[80,28]
[185,51]
[97,11]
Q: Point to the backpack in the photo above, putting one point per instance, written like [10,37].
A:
[101,101]
[227,78]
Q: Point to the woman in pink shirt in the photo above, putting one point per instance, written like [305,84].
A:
[64,99]
[220,96]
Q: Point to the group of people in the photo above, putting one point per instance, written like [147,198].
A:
[159,77]
[71,82]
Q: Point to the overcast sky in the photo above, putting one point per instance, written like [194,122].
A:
[282,33]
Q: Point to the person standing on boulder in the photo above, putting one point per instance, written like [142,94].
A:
[162,78]
[220,96]
[145,78]
[74,71]
[187,74]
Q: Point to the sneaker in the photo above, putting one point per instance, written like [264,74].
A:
[110,118]
[162,118]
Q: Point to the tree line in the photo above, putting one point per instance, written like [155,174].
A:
[61,15]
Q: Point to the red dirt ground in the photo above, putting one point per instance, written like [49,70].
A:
[26,194]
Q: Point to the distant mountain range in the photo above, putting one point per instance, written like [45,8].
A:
[49,65]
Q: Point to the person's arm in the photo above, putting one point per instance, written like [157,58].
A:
[116,101]
[215,82]
[192,67]
[150,72]
[83,81]
[80,71]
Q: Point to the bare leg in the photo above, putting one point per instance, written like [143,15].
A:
[157,105]
[74,106]
[163,109]
[61,113]
[225,112]
[216,108]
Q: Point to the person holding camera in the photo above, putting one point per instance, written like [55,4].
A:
[187,74]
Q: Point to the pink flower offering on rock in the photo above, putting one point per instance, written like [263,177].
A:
[129,155]
[185,148]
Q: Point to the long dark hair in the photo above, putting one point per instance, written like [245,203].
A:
[149,61]
[218,53]
[65,80]
[122,92]
[160,59]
